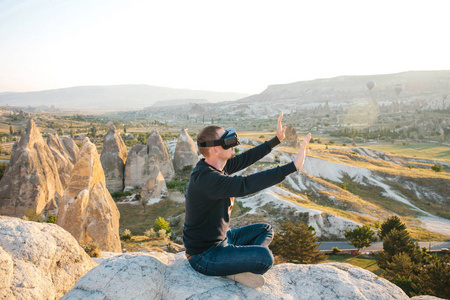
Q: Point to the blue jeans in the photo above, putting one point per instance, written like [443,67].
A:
[244,249]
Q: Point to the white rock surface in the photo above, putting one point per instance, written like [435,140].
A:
[38,260]
[169,276]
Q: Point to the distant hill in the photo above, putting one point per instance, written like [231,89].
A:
[114,97]
[345,88]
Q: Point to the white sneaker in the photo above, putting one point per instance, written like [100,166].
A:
[248,279]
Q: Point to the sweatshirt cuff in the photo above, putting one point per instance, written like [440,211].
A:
[273,142]
[289,168]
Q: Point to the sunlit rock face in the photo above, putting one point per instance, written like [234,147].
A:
[87,209]
[31,180]
[113,159]
[185,152]
[168,276]
[63,160]
[159,154]
[71,148]
[291,139]
[38,260]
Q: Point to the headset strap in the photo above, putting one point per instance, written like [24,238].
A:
[210,143]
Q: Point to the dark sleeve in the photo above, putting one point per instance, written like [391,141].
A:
[223,186]
[251,156]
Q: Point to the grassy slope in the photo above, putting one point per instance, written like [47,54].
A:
[367,263]
[373,195]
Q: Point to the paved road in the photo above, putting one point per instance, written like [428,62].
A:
[379,246]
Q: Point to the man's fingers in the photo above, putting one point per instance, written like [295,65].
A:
[279,119]
[307,139]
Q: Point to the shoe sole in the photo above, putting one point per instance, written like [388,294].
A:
[249,279]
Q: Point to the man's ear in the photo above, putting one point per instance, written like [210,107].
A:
[213,150]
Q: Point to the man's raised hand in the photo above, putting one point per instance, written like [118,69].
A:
[281,130]
[300,158]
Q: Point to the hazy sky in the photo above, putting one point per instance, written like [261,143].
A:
[233,46]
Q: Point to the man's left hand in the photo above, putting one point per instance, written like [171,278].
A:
[281,130]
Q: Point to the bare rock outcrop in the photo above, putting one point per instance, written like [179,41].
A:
[87,209]
[169,276]
[31,180]
[38,260]
[154,186]
[291,139]
[71,148]
[113,159]
[159,154]
[62,159]
[142,158]
[136,167]
[185,152]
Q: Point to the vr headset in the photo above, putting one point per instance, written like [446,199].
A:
[228,140]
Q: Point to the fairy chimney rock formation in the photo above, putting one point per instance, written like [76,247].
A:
[142,158]
[291,139]
[155,185]
[113,159]
[31,180]
[185,151]
[87,209]
[159,154]
[63,161]
[135,166]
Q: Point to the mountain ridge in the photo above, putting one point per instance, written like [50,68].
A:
[111,97]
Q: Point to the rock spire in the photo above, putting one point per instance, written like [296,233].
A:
[31,180]
[87,209]
[113,159]
[142,159]
[62,159]
[185,151]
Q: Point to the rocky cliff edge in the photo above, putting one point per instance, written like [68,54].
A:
[169,276]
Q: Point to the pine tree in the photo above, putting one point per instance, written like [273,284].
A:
[360,237]
[297,244]
[393,222]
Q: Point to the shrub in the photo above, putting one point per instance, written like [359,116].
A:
[32,215]
[335,250]
[436,168]
[51,219]
[91,249]
[161,223]
[126,235]
[163,234]
[151,234]
[118,195]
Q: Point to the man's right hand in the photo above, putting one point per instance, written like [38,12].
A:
[300,158]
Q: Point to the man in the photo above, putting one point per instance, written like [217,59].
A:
[241,254]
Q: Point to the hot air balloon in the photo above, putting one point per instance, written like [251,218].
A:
[370,85]
[398,88]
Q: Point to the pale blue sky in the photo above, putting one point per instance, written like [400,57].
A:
[235,46]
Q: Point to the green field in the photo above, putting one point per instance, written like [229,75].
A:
[367,263]
[416,150]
